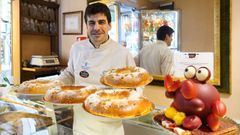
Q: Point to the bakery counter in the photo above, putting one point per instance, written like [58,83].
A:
[17,118]
[45,122]
[144,125]
[20,115]
[36,72]
[22,120]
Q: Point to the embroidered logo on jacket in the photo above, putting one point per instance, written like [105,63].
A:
[84,72]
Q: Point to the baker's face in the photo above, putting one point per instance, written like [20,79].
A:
[97,28]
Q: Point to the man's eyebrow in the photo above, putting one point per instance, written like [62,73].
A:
[97,20]
[102,20]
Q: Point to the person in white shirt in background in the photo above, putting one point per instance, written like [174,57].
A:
[88,60]
[157,58]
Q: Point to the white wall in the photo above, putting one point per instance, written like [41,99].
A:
[67,40]
[233,101]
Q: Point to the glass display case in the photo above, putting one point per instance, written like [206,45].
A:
[23,120]
[135,29]
[153,19]
[113,33]
[144,125]
[130,30]
[20,115]
[28,114]
[125,26]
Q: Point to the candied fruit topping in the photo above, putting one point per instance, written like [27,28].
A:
[179,117]
[170,112]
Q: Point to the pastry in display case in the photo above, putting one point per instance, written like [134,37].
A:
[24,116]
[21,119]
[17,122]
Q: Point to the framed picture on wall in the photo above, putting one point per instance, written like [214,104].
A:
[73,23]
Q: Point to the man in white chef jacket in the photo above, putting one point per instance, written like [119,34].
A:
[88,60]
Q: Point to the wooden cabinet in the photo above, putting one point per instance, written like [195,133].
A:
[39,34]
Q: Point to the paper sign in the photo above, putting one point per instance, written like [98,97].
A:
[197,59]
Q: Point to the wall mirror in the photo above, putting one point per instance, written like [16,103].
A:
[221,43]
[204,27]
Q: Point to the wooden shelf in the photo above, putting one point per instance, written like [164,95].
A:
[41,69]
[43,3]
[39,19]
[36,15]
[38,33]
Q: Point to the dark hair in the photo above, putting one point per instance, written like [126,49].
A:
[95,8]
[163,31]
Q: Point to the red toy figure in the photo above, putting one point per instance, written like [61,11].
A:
[199,100]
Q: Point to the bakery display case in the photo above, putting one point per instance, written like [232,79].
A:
[153,19]
[17,116]
[147,125]
[125,26]
[136,28]
[130,29]
[26,115]
[32,117]
[20,115]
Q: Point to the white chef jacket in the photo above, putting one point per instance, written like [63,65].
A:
[84,57]
[157,58]
[94,61]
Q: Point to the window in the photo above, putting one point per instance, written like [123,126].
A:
[5,40]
